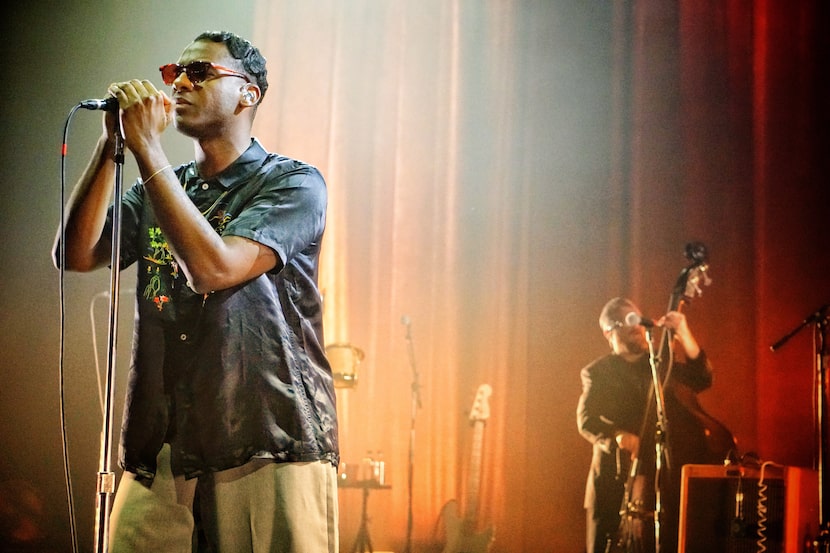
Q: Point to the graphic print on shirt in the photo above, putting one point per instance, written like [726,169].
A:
[160,260]
[162,267]
[222,218]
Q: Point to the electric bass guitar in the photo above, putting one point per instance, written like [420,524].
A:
[462,533]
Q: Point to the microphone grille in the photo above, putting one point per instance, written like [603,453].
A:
[632,319]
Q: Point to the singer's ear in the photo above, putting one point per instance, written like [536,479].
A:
[250,95]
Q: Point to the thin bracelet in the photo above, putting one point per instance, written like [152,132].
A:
[148,179]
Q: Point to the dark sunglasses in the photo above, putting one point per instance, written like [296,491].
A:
[197,72]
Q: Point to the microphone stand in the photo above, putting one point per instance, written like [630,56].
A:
[106,478]
[416,404]
[661,427]
[820,319]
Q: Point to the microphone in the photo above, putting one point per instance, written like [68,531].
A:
[632,319]
[107,104]
[405,320]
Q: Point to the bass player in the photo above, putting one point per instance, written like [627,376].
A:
[610,412]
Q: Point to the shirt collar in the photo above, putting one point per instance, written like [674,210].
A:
[239,171]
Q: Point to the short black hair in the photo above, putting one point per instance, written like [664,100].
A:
[253,62]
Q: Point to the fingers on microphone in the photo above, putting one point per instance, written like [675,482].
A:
[136,91]
[149,87]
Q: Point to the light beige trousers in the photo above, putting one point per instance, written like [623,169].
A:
[260,507]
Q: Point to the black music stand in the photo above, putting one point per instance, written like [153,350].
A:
[363,543]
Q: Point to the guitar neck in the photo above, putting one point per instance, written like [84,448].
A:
[474,474]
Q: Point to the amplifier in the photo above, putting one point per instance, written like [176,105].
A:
[740,509]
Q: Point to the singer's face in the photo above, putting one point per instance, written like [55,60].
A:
[208,107]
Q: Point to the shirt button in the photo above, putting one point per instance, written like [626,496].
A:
[182,337]
[205,186]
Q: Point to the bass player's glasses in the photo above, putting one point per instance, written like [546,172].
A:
[613,326]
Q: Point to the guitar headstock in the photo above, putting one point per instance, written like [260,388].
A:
[480,410]
[689,283]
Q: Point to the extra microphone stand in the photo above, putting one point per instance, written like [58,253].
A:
[106,478]
[820,319]
[416,404]
[660,431]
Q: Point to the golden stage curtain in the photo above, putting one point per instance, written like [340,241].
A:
[497,171]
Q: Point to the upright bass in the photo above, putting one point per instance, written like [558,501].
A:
[687,434]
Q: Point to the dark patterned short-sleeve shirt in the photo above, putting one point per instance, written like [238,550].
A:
[237,373]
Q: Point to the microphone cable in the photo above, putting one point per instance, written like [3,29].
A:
[62,341]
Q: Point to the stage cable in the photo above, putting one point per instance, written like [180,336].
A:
[763,507]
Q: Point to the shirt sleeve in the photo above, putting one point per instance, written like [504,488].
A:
[131,207]
[695,373]
[595,397]
[288,212]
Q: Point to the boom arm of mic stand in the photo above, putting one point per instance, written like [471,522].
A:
[816,316]
[106,478]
